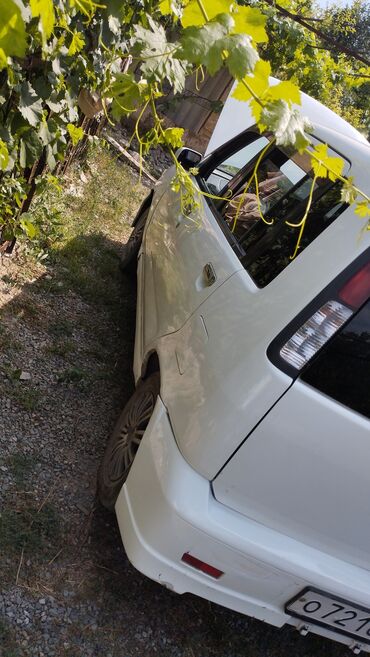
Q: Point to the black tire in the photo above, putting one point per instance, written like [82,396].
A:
[125,439]
[128,262]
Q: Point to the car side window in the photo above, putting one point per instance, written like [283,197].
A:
[218,179]
[280,193]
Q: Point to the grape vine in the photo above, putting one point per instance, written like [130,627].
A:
[56,53]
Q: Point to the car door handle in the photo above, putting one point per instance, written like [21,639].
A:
[209,274]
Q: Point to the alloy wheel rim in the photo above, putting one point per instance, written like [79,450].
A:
[127,439]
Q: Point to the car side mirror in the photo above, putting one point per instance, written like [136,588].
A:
[188,158]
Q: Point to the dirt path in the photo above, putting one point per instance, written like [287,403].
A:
[66,337]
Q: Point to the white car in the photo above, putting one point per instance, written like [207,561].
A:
[240,468]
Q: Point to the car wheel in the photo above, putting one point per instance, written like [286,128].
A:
[128,262]
[125,440]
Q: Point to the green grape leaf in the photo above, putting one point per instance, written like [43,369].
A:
[153,42]
[127,94]
[363,209]
[286,123]
[30,105]
[287,91]
[69,102]
[258,83]
[173,137]
[27,226]
[76,44]
[18,125]
[116,8]
[213,58]
[12,31]
[55,105]
[50,159]
[55,182]
[48,131]
[157,53]
[206,45]
[42,86]
[45,10]
[256,109]
[241,55]
[348,192]
[3,59]
[30,149]
[197,42]
[114,25]
[75,133]
[44,133]
[192,14]
[85,7]
[170,7]
[4,155]
[325,166]
[247,20]
[250,21]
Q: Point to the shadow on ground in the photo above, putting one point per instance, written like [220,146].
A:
[67,586]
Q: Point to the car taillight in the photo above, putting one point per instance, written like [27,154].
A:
[201,565]
[322,318]
[357,290]
[314,333]
[326,321]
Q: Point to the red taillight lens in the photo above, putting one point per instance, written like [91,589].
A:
[357,290]
[201,565]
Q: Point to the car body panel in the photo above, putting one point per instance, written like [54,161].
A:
[304,471]
[262,567]
[225,366]
[235,445]
[175,251]
[236,116]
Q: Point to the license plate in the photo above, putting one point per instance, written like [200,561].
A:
[334,613]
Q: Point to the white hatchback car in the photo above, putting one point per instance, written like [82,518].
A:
[239,470]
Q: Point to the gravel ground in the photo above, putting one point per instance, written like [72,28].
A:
[67,588]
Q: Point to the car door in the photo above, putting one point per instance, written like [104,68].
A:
[186,254]
[305,469]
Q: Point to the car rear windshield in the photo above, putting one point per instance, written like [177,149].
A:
[341,370]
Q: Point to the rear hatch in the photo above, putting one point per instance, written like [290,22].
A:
[304,470]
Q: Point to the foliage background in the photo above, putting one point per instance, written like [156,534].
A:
[51,51]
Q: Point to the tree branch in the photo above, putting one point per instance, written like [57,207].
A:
[311,45]
[308,18]
[358,75]
[322,35]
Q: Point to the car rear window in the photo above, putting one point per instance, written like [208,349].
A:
[341,370]
[284,179]
[269,248]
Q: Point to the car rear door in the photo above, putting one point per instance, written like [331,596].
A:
[186,254]
[304,470]
[185,261]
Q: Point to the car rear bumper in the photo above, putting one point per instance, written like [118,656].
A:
[166,509]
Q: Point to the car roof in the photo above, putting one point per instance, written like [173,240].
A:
[322,116]
[236,117]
